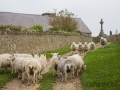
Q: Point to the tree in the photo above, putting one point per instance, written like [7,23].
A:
[64,20]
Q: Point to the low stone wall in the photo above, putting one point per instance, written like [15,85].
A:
[110,38]
[36,44]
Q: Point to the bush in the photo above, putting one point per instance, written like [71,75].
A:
[37,27]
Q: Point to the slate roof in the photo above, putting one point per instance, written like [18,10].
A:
[28,20]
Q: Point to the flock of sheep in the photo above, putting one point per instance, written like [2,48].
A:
[24,65]
[67,67]
[32,67]
[83,48]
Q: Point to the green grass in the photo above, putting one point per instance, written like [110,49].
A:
[47,82]
[103,68]
[6,77]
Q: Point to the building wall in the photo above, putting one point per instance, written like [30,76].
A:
[36,44]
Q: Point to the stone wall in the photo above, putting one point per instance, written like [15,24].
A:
[36,44]
[110,38]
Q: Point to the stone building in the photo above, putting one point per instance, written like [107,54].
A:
[28,20]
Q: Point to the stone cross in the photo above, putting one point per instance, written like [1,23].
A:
[101,22]
[101,34]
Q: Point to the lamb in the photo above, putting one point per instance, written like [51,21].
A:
[103,41]
[85,48]
[54,62]
[4,64]
[65,67]
[79,63]
[74,47]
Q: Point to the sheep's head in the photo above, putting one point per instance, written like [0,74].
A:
[36,56]
[84,67]
[59,57]
[43,56]
[11,58]
[55,54]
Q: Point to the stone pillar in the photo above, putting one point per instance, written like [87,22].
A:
[101,34]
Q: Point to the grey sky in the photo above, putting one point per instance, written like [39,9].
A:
[90,11]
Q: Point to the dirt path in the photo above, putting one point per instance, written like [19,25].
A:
[16,84]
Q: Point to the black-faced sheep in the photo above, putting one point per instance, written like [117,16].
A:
[79,63]
[65,67]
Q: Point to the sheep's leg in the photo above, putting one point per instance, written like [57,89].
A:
[70,76]
[19,74]
[62,76]
[73,74]
[28,79]
[58,73]
[65,77]
[23,77]
[12,71]
[34,78]
[78,71]
[53,71]
[39,76]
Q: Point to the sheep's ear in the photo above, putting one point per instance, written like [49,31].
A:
[59,57]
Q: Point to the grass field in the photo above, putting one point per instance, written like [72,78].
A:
[103,68]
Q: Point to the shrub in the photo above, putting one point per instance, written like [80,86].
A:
[37,27]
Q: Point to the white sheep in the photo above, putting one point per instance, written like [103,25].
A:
[103,41]
[54,62]
[43,56]
[32,68]
[80,47]
[74,47]
[92,45]
[17,63]
[86,48]
[4,64]
[29,66]
[79,63]
[65,67]
[42,60]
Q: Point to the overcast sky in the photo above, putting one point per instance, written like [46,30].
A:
[90,11]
